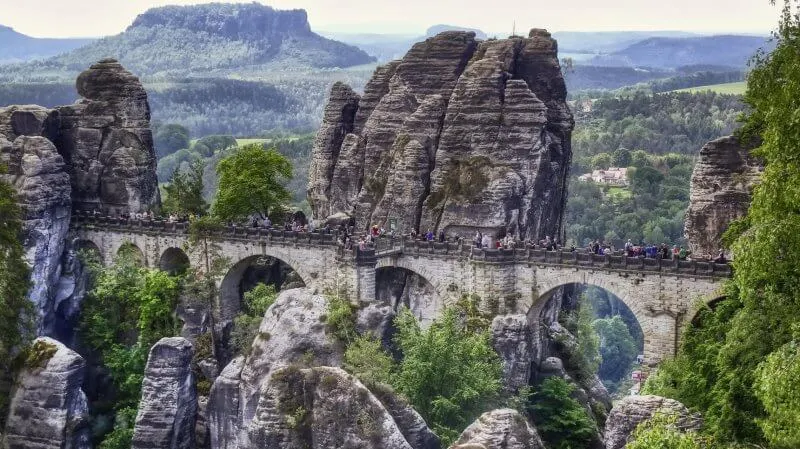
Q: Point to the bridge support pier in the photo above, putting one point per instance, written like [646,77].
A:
[365,276]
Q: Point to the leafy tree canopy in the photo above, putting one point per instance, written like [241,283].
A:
[170,138]
[184,193]
[252,182]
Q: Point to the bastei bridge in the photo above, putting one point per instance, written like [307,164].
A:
[663,295]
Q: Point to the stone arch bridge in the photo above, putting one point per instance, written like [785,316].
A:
[663,295]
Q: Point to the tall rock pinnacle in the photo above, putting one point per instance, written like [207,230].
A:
[460,135]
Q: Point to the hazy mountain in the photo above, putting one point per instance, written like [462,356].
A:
[663,52]
[17,47]
[387,47]
[219,37]
[607,41]
[436,29]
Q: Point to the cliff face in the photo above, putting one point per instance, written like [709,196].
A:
[460,135]
[720,192]
[96,154]
[106,140]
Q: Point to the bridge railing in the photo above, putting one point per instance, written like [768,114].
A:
[182,228]
[388,246]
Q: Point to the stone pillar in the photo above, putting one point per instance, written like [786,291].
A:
[660,337]
[365,276]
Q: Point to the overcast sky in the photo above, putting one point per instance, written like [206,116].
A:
[62,18]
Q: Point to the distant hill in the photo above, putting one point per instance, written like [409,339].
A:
[17,47]
[436,29]
[731,51]
[182,40]
[607,41]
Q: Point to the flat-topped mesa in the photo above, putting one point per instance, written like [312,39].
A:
[460,135]
[105,139]
[721,191]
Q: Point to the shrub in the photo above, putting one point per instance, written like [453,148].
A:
[448,373]
[341,319]
[561,421]
[367,360]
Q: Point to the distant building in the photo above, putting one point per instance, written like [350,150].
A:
[614,176]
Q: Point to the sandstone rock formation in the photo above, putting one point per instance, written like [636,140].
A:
[40,177]
[293,331]
[460,135]
[94,154]
[499,429]
[630,411]
[168,408]
[107,143]
[48,408]
[512,338]
[321,408]
[721,189]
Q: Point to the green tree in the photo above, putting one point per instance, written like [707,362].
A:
[170,138]
[245,325]
[252,182]
[639,159]
[660,432]
[622,157]
[561,420]
[617,348]
[448,374]
[184,193]
[717,369]
[602,161]
[778,388]
[16,311]
[209,145]
[366,359]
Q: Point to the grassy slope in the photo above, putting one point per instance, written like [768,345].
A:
[727,88]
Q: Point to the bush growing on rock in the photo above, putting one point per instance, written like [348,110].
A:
[561,420]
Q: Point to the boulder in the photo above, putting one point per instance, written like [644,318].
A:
[168,408]
[320,408]
[377,319]
[720,192]
[105,138]
[499,429]
[460,135]
[512,338]
[630,411]
[48,408]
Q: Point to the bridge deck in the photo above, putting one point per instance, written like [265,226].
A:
[389,247]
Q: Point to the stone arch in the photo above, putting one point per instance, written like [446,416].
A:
[660,328]
[174,261]
[230,294]
[89,248]
[426,307]
[133,250]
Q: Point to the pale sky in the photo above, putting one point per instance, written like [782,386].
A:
[78,18]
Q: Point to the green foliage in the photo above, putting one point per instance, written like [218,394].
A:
[727,367]
[448,374]
[366,359]
[170,138]
[184,193]
[252,183]
[121,436]
[602,161]
[341,319]
[585,357]
[245,330]
[254,306]
[617,349]
[126,311]
[259,299]
[778,388]
[660,432]
[16,311]
[561,421]
[39,354]
[209,145]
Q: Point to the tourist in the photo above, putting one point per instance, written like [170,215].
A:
[486,241]
[721,257]
[683,253]
[477,239]
[429,235]
[441,236]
